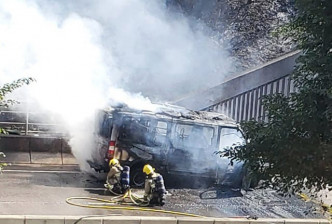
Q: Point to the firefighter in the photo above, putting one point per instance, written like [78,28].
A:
[113,176]
[154,187]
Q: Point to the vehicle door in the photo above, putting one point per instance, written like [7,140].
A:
[144,138]
[102,134]
[161,141]
[193,148]
[228,173]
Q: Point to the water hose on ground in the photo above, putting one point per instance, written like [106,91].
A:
[325,208]
[116,202]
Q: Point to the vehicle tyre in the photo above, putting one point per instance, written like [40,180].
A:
[249,180]
[137,177]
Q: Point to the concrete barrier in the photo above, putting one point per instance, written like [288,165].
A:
[35,219]
[36,150]
[15,148]
[45,150]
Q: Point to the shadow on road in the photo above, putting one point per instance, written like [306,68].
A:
[99,191]
[179,182]
[220,192]
[94,184]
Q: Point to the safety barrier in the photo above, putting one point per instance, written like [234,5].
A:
[248,105]
[21,219]
[240,96]
[25,122]
[36,150]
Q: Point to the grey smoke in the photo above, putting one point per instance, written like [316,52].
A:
[162,54]
[82,53]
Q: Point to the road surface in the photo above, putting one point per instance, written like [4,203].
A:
[37,192]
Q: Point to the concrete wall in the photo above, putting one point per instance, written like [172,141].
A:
[241,83]
[10,219]
[36,150]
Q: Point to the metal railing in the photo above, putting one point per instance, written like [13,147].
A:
[248,105]
[27,123]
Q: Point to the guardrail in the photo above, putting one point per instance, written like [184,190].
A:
[248,105]
[239,96]
[25,122]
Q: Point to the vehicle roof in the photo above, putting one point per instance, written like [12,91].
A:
[172,112]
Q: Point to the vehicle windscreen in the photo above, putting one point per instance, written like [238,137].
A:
[230,137]
[192,136]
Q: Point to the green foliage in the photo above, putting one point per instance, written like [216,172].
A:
[293,148]
[10,87]
[2,165]
[4,90]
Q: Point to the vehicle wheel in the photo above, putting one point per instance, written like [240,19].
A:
[249,181]
[137,177]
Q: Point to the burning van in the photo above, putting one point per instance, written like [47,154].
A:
[175,140]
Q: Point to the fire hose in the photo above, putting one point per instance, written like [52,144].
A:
[117,202]
[128,198]
[325,208]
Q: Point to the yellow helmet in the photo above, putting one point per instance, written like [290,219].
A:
[113,162]
[148,169]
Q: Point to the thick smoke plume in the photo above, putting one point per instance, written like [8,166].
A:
[85,54]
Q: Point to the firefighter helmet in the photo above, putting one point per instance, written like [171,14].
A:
[113,162]
[148,169]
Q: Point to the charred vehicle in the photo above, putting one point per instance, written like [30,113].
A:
[175,140]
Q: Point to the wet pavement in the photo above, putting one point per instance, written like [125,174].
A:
[35,192]
[229,203]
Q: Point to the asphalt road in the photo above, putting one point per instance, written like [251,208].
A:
[31,192]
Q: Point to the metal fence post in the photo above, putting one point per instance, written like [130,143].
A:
[27,119]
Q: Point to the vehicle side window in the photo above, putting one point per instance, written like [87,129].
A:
[135,130]
[161,128]
[144,131]
[99,119]
[160,134]
[193,136]
[126,131]
[106,127]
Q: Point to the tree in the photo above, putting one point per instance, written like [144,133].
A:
[244,26]
[10,87]
[4,90]
[293,148]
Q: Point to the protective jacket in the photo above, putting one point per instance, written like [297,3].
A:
[155,189]
[113,176]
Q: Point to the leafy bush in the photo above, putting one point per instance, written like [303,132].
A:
[2,165]
[293,148]
[4,90]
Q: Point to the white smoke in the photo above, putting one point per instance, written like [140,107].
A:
[84,53]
